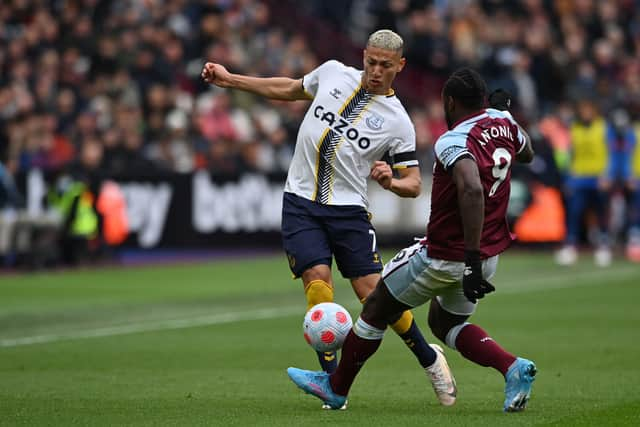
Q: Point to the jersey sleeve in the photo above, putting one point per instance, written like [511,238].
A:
[450,147]
[403,150]
[522,141]
[311,81]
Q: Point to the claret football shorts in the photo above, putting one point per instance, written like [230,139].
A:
[313,233]
[413,279]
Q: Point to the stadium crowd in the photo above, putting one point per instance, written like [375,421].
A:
[115,87]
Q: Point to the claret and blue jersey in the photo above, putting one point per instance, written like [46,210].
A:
[493,139]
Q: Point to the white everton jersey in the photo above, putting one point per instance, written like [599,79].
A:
[343,133]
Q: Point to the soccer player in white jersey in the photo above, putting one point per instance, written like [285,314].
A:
[354,119]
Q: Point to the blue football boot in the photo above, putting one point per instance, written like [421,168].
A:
[317,384]
[517,390]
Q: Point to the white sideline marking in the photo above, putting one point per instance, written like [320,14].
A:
[162,325]
[569,279]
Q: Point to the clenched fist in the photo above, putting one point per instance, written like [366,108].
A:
[381,172]
[216,74]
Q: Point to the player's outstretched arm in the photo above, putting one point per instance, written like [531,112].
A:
[408,183]
[283,88]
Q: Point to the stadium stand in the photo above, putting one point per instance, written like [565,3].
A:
[97,86]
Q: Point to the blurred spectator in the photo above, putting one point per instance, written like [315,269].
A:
[633,233]
[127,76]
[10,201]
[429,123]
[588,183]
[74,201]
[90,161]
[428,45]
[10,197]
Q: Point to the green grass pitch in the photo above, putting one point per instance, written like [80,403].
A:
[208,344]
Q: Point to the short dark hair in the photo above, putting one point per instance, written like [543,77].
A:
[466,86]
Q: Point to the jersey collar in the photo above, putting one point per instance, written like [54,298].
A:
[389,94]
[470,119]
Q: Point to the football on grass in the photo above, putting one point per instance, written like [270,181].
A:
[326,326]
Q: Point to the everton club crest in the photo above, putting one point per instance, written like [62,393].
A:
[374,121]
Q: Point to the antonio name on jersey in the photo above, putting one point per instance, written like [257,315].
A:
[495,132]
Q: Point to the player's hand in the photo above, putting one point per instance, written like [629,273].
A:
[216,74]
[382,173]
[474,285]
[500,99]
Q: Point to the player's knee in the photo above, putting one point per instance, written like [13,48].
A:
[445,325]
[368,330]
[318,291]
[437,326]
[369,308]
[365,285]
[316,272]
[378,310]
[372,311]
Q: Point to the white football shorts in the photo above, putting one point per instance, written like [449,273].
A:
[413,279]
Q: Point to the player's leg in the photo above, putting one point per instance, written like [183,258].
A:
[448,314]
[469,339]
[379,309]
[354,245]
[405,325]
[361,343]
[309,255]
[318,288]
[406,283]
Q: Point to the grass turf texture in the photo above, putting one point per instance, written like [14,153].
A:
[198,358]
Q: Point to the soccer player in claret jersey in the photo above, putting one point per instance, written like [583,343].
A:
[354,119]
[467,231]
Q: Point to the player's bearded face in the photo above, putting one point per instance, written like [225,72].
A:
[380,68]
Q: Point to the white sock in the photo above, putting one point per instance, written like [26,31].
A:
[452,335]
[366,331]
